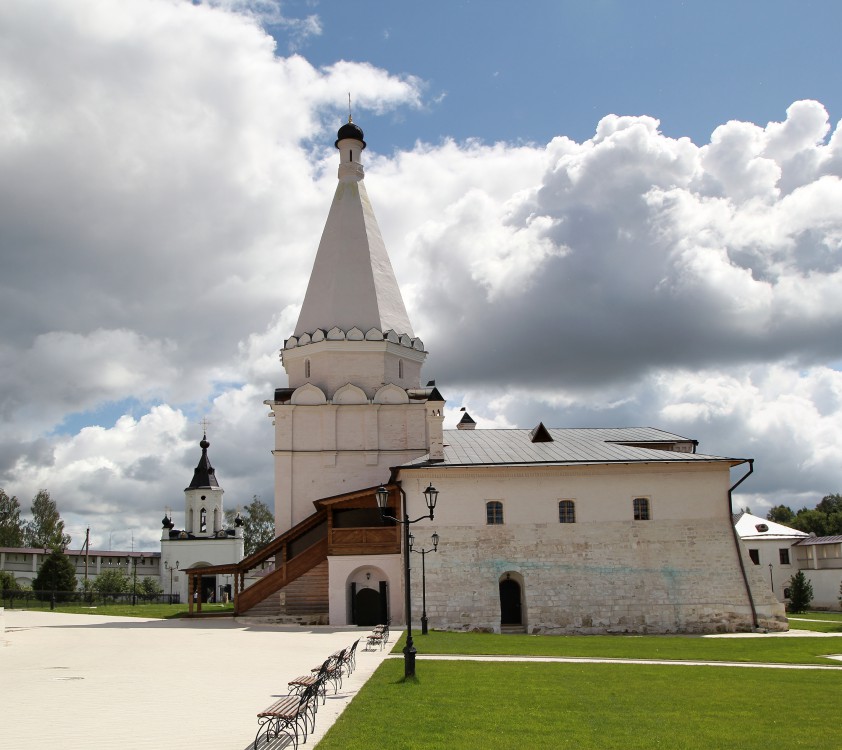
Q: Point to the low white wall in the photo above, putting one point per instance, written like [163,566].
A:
[825,587]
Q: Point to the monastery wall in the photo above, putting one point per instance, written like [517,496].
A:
[621,577]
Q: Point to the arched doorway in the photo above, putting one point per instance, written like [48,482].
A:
[369,605]
[510,601]
[367,608]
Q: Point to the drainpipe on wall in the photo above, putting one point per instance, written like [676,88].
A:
[737,541]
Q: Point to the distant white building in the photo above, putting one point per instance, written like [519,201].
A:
[24,563]
[769,547]
[820,557]
[783,551]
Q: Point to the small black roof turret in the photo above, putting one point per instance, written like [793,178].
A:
[204,474]
[349,130]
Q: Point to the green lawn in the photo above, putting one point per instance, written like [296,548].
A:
[479,705]
[822,622]
[789,650]
[837,616]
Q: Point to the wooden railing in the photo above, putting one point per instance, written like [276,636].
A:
[281,576]
[288,566]
[294,553]
[365,541]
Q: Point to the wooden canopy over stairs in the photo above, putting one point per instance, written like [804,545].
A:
[345,524]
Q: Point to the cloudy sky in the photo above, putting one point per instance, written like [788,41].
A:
[601,214]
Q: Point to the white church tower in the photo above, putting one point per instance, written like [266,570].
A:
[204,540]
[354,406]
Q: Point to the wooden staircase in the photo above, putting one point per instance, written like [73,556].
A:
[297,589]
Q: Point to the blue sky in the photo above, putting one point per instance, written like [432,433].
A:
[599,213]
[498,71]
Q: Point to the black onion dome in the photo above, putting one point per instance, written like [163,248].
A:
[349,130]
[204,474]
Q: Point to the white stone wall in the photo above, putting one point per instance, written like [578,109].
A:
[624,577]
[768,552]
[825,588]
[606,573]
[326,450]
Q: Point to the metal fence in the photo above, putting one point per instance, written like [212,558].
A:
[51,599]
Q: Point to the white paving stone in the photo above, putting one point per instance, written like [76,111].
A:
[89,681]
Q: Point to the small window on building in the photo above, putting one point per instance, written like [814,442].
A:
[787,593]
[494,513]
[754,554]
[400,368]
[306,368]
[203,520]
[762,527]
[566,511]
[784,556]
[641,508]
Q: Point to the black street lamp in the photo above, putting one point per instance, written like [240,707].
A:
[134,579]
[170,568]
[431,494]
[423,553]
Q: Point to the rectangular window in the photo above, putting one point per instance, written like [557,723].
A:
[566,511]
[494,513]
[784,556]
[754,554]
[641,509]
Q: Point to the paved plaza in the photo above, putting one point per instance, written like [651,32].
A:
[89,681]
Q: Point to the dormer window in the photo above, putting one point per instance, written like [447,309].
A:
[761,527]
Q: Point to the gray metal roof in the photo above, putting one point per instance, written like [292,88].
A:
[811,540]
[569,446]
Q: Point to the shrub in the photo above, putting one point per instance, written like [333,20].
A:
[800,592]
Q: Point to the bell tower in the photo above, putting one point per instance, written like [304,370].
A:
[354,406]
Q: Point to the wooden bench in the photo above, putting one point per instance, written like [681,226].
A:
[351,657]
[377,637]
[318,676]
[289,715]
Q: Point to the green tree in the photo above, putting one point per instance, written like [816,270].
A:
[258,524]
[57,573]
[8,582]
[781,514]
[11,527]
[823,520]
[830,504]
[800,592]
[149,587]
[46,529]
[112,581]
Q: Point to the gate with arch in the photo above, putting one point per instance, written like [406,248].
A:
[369,599]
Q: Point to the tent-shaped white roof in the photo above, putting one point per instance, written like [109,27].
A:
[352,284]
[753,527]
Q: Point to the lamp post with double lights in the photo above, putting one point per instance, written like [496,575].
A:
[431,495]
[170,568]
[134,577]
[424,552]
